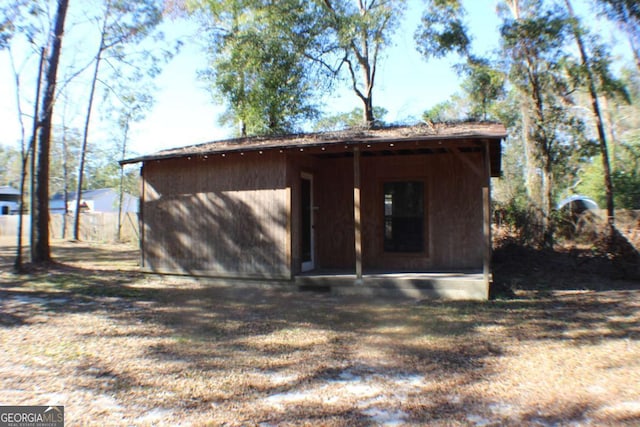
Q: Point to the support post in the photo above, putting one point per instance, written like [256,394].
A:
[356,214]
[486,219]
[141,203]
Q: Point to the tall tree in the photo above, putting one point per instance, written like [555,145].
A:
[259,66]
[270,59]
[122,22]
[534,44]
[361,30]
[133,107]
[625,117]
[24,18]
[26,152]
[443,31]
[590,71]
[41,252]
[64,162]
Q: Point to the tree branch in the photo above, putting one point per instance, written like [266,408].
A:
[354,81]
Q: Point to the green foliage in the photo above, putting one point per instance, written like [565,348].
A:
[597,66]
[7,26]
[265,55]
[513,211]
[535,43]
[259,67]
[483,96]
[537,60]
[264,84]
[132,21]
[103,172]
[351,119]
[443,29]
[512,185]
[484,85]
[65,154]
[21,17]
[132,44]
[507,110]
[517,219]
[601,64]
[626,185]
[626,14]
[445,111]
[357,33]
[10,160]
[621,9]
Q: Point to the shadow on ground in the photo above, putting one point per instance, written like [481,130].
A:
[222,341]
[517,267]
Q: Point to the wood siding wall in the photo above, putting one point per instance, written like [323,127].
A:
[334,217]
[453,212]
[218,216]
[239,216]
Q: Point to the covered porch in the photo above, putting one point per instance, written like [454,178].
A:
[347,237]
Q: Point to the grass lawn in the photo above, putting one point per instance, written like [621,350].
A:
[116,347]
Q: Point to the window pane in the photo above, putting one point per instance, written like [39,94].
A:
[404,216]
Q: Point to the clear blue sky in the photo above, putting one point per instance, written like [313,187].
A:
[406,85]
[184,112]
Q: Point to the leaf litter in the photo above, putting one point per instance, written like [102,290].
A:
[159,351]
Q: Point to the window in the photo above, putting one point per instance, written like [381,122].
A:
[404,216]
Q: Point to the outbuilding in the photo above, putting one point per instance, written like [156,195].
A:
[379,211]
[9,200]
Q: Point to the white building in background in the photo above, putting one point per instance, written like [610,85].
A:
[101,200]
[9,200]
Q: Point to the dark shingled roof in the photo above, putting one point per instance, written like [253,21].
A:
[424,132]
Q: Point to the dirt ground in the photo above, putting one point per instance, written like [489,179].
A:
[116,347]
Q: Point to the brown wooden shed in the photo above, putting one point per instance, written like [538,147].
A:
[402,209]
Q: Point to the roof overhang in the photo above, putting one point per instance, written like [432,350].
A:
[467,137]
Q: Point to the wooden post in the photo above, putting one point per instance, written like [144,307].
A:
[141,202]
[486,218]
[289,242]
[356,214]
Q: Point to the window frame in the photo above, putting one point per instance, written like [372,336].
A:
[425,215]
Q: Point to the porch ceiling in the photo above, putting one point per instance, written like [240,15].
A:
[408,148]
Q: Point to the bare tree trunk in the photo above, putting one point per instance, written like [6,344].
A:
[120,201]
[604,152]
[531,164]
[547,204]
[25,156]
[65,180]
[611,137]
[537,181]
[85,137]
[369,118]
[42,251]
[83,151]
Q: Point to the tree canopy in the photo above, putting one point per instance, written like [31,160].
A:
[259,65]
